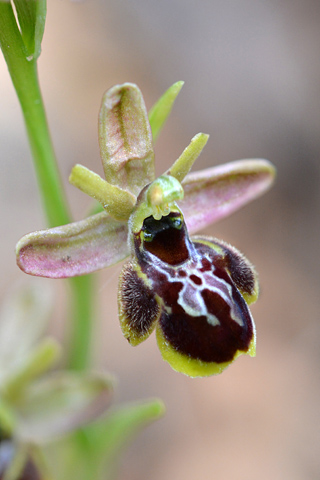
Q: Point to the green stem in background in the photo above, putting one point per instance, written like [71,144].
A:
[82,308]
[23,70]
[24,77]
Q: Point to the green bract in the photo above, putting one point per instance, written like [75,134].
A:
[195,292]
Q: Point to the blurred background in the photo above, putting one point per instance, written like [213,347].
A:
[252,76]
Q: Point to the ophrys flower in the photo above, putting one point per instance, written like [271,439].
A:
[194,291]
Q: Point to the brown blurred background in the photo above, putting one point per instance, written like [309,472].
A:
[252,76]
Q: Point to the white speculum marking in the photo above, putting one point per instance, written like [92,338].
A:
[190,296]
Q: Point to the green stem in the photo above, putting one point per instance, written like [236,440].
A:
[83,310]
[24,77]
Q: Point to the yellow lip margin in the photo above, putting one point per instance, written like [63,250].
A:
[194,367]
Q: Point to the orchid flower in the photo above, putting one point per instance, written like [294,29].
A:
[37,405]
[194,291]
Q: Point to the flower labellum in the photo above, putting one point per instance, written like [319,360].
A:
[194,291]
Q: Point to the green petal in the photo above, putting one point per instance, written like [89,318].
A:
[74,249]
[216,192]
[162,108]
[125,139]
[183,164]
[61,402]
[117,202]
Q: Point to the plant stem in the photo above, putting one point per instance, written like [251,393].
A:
[24,75]
[82,305]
